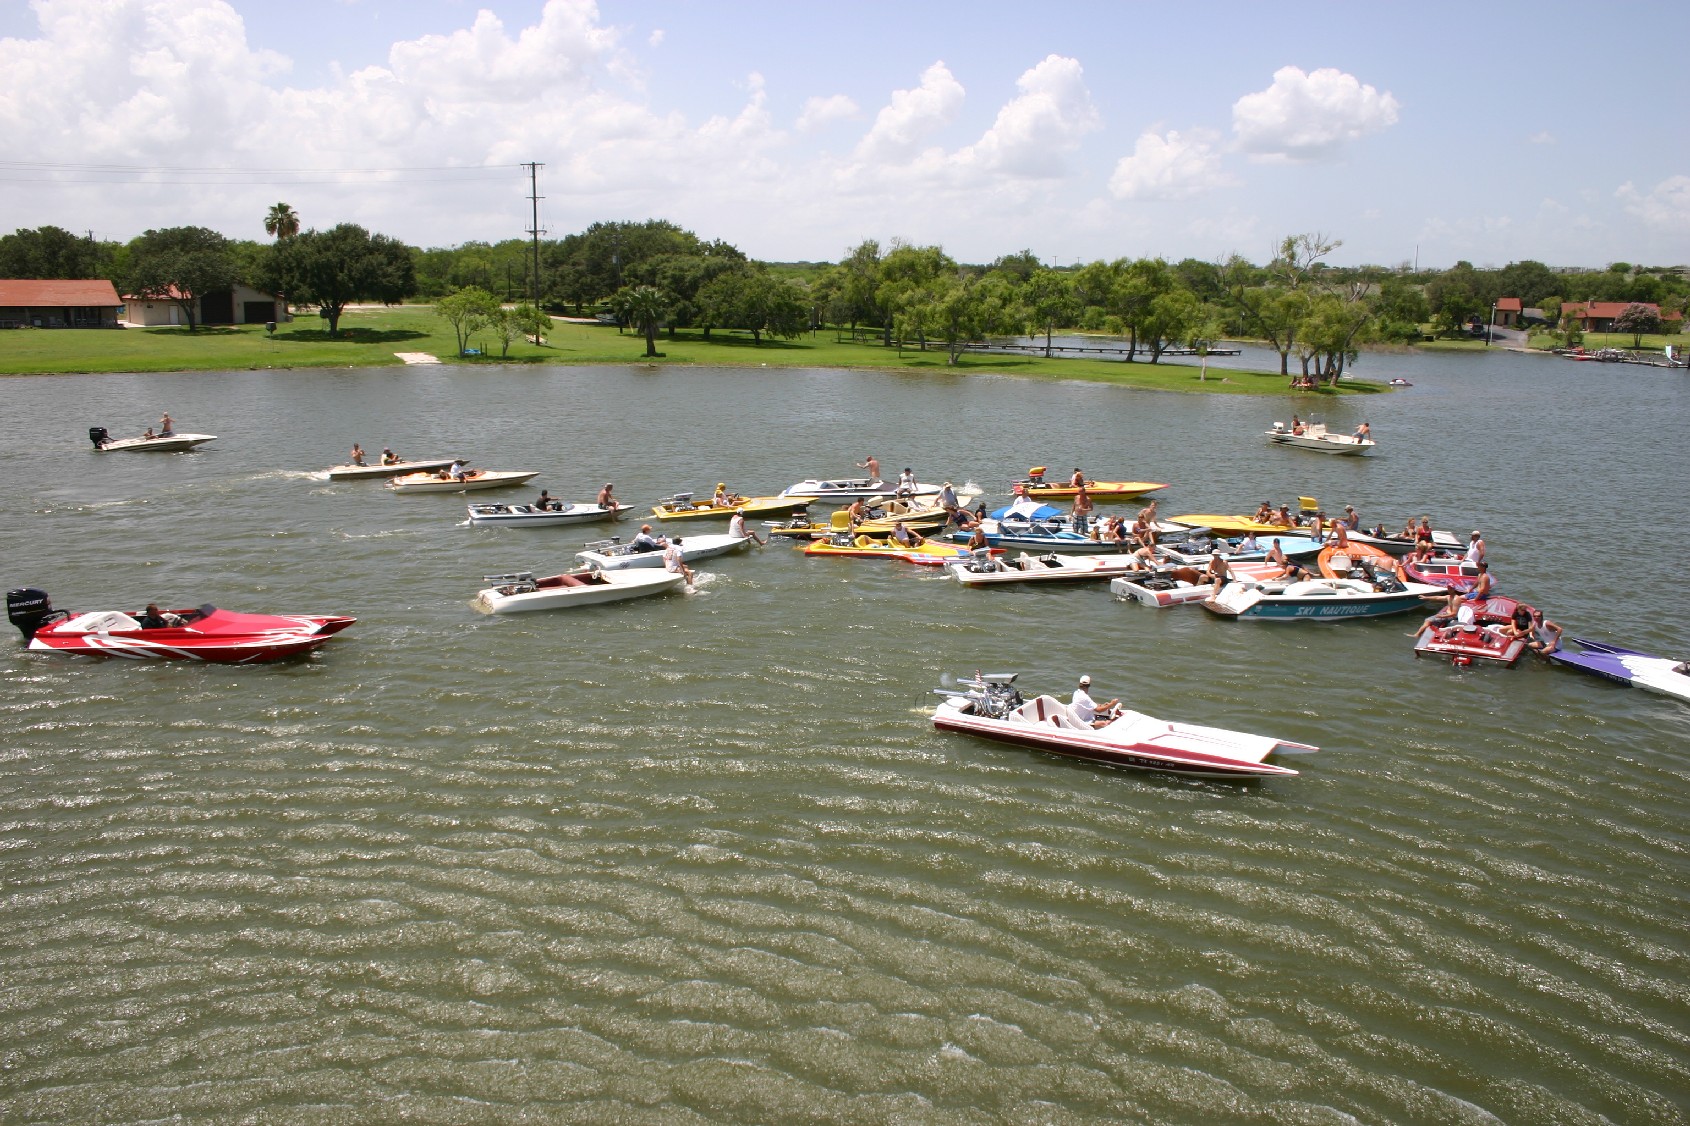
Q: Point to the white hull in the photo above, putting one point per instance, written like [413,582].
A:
[1027,568]
[610,586]
[487,479]
[397,469]
[176,443]
[847,490]
[693,548]
[1133,739]
[1319,439]
[526,516]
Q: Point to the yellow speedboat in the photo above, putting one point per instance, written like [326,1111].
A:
[681,506]
[928,554]
[1038,488]
[1228,525]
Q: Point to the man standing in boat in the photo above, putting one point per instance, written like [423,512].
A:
[872,464]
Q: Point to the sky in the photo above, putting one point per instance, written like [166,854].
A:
[795,130]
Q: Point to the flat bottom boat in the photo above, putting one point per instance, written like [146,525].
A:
[202,634]
[1663,675]
[532,516]
[588,586]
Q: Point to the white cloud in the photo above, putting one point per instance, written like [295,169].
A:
[655,39]
[1041,124]
[819,113]
[1175,166]
[1666,207]
[1543,137]
[1309,116]
[913,116]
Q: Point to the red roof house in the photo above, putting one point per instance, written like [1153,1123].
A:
[1508,311]
[58,303]
[1599,316]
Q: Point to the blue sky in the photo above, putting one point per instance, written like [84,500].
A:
[796,130]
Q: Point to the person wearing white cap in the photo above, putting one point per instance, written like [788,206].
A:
[1476,548]
[1085,708]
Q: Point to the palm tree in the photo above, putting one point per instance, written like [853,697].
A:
[646,307]
[282,222]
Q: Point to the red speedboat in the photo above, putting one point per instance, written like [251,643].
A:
[1477,633]
[205,634]
[1451,572]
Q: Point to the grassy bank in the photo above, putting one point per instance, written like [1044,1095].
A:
[370,337]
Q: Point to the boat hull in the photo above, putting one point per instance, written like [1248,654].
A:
[1183,749]
[1319,440]
[526,516]
[1036,569]
[397,469]
[752,506]
[175,444]
[1098,490]
[1315,600]
[846,490]
[486,479]
[693,548]
[1661,675]
[588,590]
[218,637]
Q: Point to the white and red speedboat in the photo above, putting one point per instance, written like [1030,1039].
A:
[989,706]
[205,634]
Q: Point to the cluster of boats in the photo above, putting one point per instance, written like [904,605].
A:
[1245,568]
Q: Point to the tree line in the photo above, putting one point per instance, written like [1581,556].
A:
[654,275]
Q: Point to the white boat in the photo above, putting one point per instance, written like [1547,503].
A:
[521,591]
[846,490]
[990,707]
[175,443]
[1175,586]
[528,516]
[1319,599]
[473,480]
[1315,436]
[614,555]
[989,570]
[393,469]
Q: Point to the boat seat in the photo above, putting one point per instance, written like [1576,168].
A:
[1308,504]
[839,521]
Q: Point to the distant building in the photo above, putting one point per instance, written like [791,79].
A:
[1508,312]
[58,303]
[1599,316]
[241,305]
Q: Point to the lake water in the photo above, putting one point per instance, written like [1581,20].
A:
[704,858]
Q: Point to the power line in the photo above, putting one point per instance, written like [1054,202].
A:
[227,170]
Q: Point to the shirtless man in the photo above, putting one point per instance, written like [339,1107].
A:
[1264,514]
[357,454]
[1083,508]
[166,426]
[1219,571]
[872,464]
[608,502]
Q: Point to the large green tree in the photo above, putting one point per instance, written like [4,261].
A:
[468,311]
[1049,298]
[644,307]
[52,252]
[332,269]
[181,264]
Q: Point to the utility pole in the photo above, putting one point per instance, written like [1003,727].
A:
[534,230]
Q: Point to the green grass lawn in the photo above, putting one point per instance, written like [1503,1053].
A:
[372,336]
[1651,342]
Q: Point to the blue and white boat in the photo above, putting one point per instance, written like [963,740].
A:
[1030,524]
[1628,666]
[1319,600]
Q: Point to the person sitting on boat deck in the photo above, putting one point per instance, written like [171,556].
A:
[1078,480]
[1340,533]
[1409,530]
[906,482]
[1296,425]
[1086,709]
[1476,548]
[1545,638]
[1083,508]
[738,528]
[388,457]
[1364,433]
[1219,571]
[149,435]
[872,464]
[902,533]
[608,502]
[1282,518]
[947,497]
[1483,584]
[645,541]
[1144,532]
[1424,530]
[458,470]
[980,511]
[1276,555]
[1264,513]
[166,426]
[545,502]
[1249,545]
[674,563]
[154,618]
[357,454]
[978,544]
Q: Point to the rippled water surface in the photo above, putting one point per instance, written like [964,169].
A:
[703,857]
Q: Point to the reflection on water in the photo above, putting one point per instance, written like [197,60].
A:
[705,854]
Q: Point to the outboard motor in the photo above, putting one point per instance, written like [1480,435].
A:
[30,609]
[98,435]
